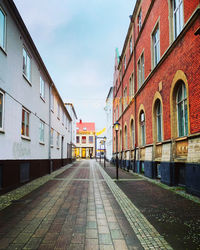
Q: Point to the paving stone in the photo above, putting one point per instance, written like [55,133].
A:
[106,247]
[120,244]
[92,224]
[103,229]
[91,234]
[116,234]
[78,238]
[105,239]
[22,238]
[91,244]
[4,242]
[33,243]
[15,246]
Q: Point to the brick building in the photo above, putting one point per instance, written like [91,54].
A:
[157,93]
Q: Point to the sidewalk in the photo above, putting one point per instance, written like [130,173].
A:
[173,216]
[73,209]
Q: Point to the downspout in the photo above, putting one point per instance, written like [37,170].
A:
[50,161]
[136,137]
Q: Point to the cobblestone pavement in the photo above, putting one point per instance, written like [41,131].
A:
[172,215]
[72,208]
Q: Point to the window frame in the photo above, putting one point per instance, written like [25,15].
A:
[159,132]
[142,129]
[155,46]
[183,101]
[82,141]
[141,72]
[139,20]
[77,139]
[42,88]
[132,133]
[131,45]
[41,130]
[25,65]
[3,106]
[26,124]
[3,45]
[91,136]
[125,137]
[52,101]
[177,28]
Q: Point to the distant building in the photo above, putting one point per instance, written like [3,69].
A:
[72,112]
[85,139]
[157,93]
[109,124]
[34,123]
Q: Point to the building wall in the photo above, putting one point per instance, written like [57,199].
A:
[179,61]
[21,93]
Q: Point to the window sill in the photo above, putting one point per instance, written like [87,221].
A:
[41,143]
[25,138]
[27,79]
[3,50]
[2,131]
[42,98]
[181,138]
[58,148]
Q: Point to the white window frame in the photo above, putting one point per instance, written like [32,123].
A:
[140,20]
[41,131]
[58,140]
[3,31]
[3,104]
[42,88]
[26,123]
[142,128]
[156,46]
[26,62]
[58,110]
[51,139]
[141,70]
[178,22]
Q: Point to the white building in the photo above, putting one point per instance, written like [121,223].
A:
[34,123]
[109,124]
[72,112]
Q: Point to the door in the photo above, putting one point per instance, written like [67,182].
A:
[83,152]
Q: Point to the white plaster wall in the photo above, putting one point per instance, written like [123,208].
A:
[19,93]
[149,153]
[194,150]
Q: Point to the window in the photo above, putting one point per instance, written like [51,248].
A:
[90,139]
[141,71]
[124,63]
[51,137]
[58,140]
[125,97]
[41,131]
[25,123]
[63,117]
[52,100]
[131,86]
[58,107]
[131,45]
[84,139]
[156,46]
[177,17]
[77,139]
[42,88]
[1,110]
[159,121]
[142,128]
[26,65]
[132,134]
[181,102]
[85,129]
[2,30]
[140,20]
[125,138]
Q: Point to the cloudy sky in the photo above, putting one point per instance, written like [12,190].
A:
[77,41]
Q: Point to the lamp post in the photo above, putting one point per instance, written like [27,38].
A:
[116,127]
[101,142]
[104,139]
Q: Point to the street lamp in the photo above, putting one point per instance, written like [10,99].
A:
[116,127]
[101,142]
[104,139]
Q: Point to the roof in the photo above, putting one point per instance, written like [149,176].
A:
[71,104]
[86,126]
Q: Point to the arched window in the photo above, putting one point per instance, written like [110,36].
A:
[142,128]
[158,121]
[125,138]
[182,112]
[132,134]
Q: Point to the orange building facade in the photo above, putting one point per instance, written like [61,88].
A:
[157,93]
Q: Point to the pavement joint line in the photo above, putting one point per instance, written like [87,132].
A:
[16,194]
[140,225]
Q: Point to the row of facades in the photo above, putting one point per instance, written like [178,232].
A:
[37,130]
[156,93]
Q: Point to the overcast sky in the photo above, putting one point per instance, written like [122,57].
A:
[76,40]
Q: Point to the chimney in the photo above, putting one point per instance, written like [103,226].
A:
[80,121]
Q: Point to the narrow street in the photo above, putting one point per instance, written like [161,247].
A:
[81,207]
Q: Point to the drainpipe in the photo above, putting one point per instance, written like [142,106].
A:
[136,137]
[50,161]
